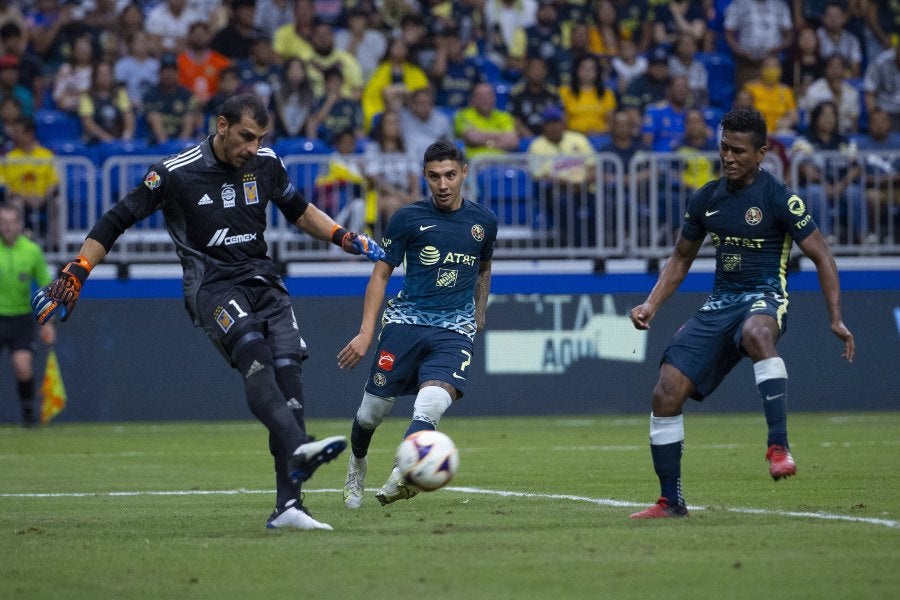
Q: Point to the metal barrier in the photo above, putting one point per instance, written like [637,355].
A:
[547,207]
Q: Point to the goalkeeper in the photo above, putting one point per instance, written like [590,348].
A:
[214,197]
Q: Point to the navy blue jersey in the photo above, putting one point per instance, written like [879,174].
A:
[752,229]
[442,252]
[216,214]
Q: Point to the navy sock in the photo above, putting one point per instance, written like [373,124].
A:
[360,438]
[667,464]
[774,397]
[416,425]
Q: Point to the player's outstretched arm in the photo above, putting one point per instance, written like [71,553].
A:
[816,249]
[322,227]
[670,278]
[61,295]
[356,348]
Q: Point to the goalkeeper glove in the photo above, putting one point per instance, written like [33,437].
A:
[356,243]
[61,295]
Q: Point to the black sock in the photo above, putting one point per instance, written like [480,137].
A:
[416,425]
[667,464]
[286,489]
[26,396]
[360,438]
[290,382]
[774,397]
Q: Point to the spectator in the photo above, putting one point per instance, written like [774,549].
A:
[835,39]
[130,22]
[627,65]
[230,84]
[291,38]
[684,63]
[698,138]
[323,55]
[392,173]
[138,70]
[24,266]
[393,11]
[235,40]
[545,40]
[625,141]
[773,99]
[10,113]
[830,184]
[340,188]
[635,22]
[578,48]
[10,87]
[677,19]
[32,183]
[171,110]
[603,33]
[365,43]
[881,85]
[31,70]
[261,70]
[562,162]
[483,128]
[504,18]
[272,14]
[74,77]
[664,121]
[649,87]
[334,112]
[755,29]
[52,27]
[804,64]
[588,104]
[881,164]
[418,41]
[293,101]
[392,82]
[421,125]
[834,87]
[11,12]
[105,110]
[199,66]
[169,22]
[454,74]
[530,96]
[881,20]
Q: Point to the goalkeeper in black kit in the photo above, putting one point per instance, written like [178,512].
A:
[214,197]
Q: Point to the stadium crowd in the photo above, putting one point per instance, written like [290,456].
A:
[628,75]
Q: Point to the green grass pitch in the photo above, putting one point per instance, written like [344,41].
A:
[538,509]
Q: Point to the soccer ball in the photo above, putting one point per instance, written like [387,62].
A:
[427,459]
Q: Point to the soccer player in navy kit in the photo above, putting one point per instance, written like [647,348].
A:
[446,244]
[214,197]
[752,219]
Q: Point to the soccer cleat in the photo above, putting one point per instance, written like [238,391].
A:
[661,510]
[356,478]
[781,463]
[310,456]
[294,515]
[395,488]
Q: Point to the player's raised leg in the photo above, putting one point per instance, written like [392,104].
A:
[771,381]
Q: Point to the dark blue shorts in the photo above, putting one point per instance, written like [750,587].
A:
[708,346]
[251,306]
[409,355]
[17,333]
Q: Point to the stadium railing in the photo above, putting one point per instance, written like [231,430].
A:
[631,210]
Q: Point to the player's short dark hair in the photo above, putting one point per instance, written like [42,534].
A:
[746,120]
[240,104]
[443,150]
[10,30]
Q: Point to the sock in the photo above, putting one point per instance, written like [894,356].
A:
[417,425]
[26,396]
[265,399]
[290,382]
[286,490]
[360,438]
[771,381]
[666,448]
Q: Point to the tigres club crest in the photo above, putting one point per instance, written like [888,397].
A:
[477,232]
[753,216]
[152,180]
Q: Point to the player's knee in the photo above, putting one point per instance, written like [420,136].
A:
[769,368]
[373,410]
[249,353]
[431,403]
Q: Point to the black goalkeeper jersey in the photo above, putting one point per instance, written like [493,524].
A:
[216,214]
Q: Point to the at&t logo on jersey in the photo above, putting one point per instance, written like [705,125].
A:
[152,180]
[429,255]
[221,238]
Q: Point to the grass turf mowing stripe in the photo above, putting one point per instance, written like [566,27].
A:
[470,490]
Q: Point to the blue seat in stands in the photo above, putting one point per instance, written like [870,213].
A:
[51,124]
[507,191]
[720,67]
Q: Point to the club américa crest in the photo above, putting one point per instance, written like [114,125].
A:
[477,232]
[753,216]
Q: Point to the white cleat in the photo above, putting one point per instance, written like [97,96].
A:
[356,479]
[395,488]
[294,516]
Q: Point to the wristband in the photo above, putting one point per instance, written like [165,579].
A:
[337,235]
[79,268]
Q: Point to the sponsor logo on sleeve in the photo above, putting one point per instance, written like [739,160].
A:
[152,180]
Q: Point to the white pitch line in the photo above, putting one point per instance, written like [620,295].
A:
[470,490]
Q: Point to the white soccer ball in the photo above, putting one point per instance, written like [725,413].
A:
[427,459]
